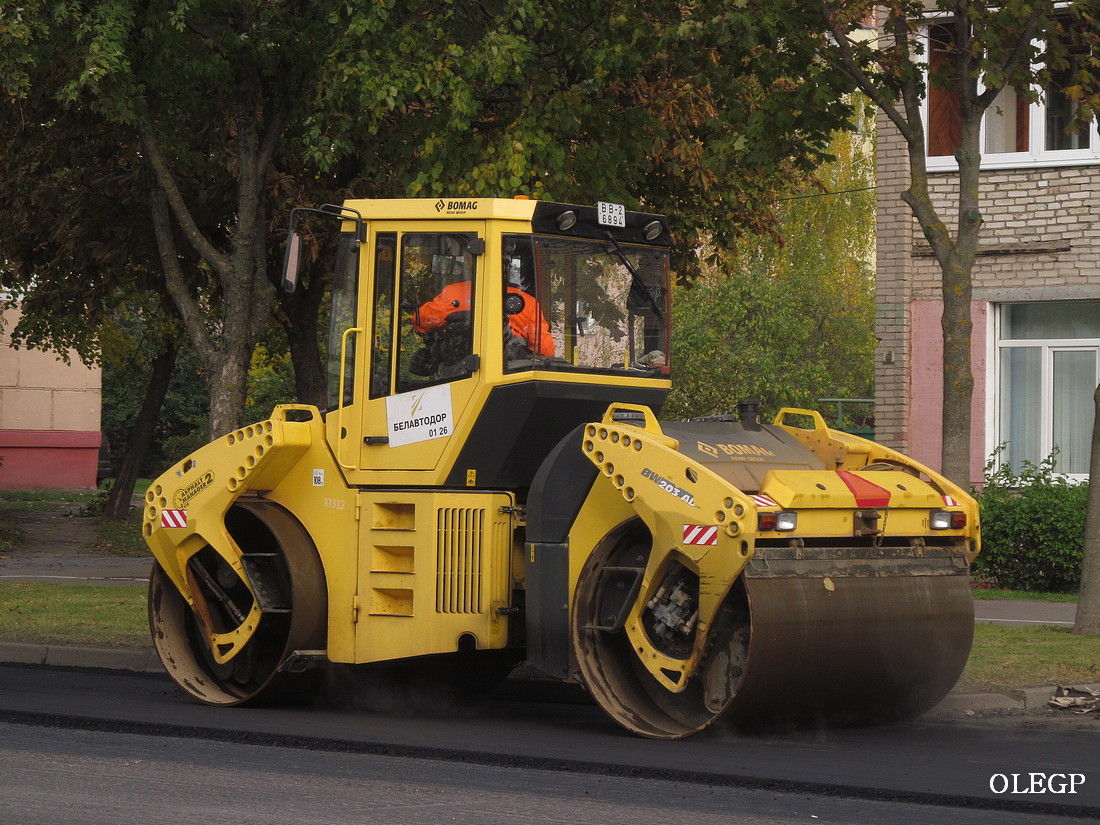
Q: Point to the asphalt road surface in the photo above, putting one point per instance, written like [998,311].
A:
[80,746]
[52,776]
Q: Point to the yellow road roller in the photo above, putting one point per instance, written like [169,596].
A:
[490,484]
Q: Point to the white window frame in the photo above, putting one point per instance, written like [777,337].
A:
[1048,347]
[1037,154]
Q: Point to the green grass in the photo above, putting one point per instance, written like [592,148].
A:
[10,537]
[22,500]
[994,593]
[122,538]
[74,614]
[1006,657]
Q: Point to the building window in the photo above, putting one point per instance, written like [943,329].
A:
[943,101]
[1061,109]
[1015,132]
[1049,367]
[1006,128]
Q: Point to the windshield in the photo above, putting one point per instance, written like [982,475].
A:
[593,313]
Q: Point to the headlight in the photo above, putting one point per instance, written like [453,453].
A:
[784,521]
[947,520]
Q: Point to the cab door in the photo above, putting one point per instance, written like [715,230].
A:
[425,302]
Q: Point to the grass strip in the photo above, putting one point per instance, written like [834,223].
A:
[993,594]
[1006,657]
[95,615]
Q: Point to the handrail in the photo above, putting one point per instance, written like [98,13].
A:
[340,398]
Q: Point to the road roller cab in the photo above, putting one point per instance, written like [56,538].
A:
[490,482]
[468,336]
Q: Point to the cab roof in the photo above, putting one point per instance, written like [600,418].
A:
[545,216]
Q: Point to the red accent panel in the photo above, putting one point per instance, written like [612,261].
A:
[51,439]
[867,493]
[49,459]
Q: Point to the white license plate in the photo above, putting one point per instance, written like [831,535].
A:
[611,214]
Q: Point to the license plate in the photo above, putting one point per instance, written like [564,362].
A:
[611,214]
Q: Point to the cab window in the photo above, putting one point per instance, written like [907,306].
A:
[437,283]
[345,292]
[385,270]
[598,307]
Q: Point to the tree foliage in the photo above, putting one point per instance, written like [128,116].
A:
[225,113]
[131,344]
[787,323]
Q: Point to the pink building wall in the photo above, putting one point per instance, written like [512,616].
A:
[49,418]
[925,395]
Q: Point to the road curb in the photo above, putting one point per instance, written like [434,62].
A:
[142,661]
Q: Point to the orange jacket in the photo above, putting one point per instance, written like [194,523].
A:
[530,323]
[433,314]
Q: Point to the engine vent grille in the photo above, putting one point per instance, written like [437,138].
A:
[460,542]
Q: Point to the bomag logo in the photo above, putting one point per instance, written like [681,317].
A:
[455,206]
[742,452]
[181,497]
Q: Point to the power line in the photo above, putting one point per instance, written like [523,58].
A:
[826,194]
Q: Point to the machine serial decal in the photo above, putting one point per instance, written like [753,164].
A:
[173,518]
[419,416]
[701,534]
[669,487]
[181,497]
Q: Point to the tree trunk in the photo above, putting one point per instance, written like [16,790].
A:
[228,390]
[141,435]
[1088,602]
[958,375]
[957,273]
[300,320]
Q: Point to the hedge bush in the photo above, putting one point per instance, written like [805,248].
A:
[1033,528]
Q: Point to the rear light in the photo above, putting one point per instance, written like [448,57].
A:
[947,520]
[784,521]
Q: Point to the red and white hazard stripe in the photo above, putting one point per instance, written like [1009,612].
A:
[763,500]
[700,534]
[173,518]
[950,502]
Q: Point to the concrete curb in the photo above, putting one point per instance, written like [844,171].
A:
[970,704]
[142,661]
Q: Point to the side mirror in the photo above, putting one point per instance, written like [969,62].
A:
[292,260]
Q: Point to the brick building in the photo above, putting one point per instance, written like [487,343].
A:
[49,418]
[1036,299]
